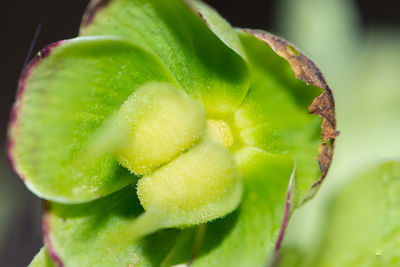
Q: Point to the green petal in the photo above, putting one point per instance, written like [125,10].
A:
[275,117]
[65,96]
[248,237]
[95,233]
[218,25]
[42,259]
[204,66]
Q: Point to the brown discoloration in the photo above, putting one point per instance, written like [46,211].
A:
[323,105]
[324,159]
[91,11]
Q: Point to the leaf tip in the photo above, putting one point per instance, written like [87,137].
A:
[91,11]
[46,235]
[203,18]
[323,105]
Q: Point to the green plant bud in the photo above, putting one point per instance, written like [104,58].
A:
[161,105]
[200,185]
[160,122]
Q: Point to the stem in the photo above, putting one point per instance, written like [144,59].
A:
[147,223]
[201,231]
[180,243]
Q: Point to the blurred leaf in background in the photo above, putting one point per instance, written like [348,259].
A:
[363,225]
[363,70]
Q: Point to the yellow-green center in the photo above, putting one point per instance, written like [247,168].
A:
[187,169]
[220,132]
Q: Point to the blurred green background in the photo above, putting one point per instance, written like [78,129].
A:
[355,43]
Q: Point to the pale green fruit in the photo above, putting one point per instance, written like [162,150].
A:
[160,122]
[200,185]
[189,175]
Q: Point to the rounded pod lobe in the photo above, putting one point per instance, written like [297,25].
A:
[189,175]
[202,184]
[160,122]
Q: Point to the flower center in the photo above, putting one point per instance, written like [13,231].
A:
[220,132]
[188,172]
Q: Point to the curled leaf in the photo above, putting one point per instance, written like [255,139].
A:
[323,105]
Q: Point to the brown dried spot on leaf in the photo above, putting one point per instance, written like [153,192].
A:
[93,8]
[323,105]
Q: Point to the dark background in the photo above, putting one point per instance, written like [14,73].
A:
[19,20]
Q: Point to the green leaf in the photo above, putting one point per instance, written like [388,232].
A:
[274,116]
[42,259]
[370,234]
[204,66]
[362,227]
[97,233]
[248,236]
[218,25]
[66,94]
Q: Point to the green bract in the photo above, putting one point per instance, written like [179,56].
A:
[160,115]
